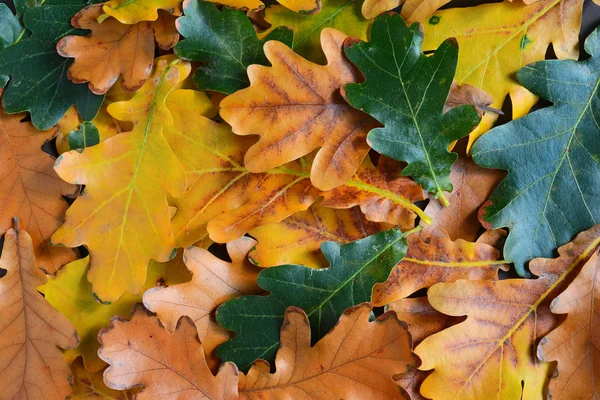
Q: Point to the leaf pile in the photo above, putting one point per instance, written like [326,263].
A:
[301,199]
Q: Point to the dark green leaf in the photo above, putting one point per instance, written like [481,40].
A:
[87,135]
[406,92]
[552,157]
[39,82]
[23,5]
[225,42]
[323,293]
[10,29]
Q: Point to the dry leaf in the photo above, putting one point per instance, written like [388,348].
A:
[165,32]
[133,11]
[89,385]
[31,331]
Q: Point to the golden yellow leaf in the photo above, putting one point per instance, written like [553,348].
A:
[71,294]
[89,385]
[575,344]
[31,190]
[492,353]
[123,215]
[214,282]
[297,239]
[357,359]
[497,39]
[133,11]
[142,353]
[437,259]
[296,107]
[298,6]
[31,331]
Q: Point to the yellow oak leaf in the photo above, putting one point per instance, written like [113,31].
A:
[89,385]
[297,239]
[497,39]
[141,353]
[296,107]
[575,343]
[71,294]
[31,190]
[133,11]
[218,200]
[357,359]
[31,331]
[297,6]
[437,259]
[492,353]
[123,215]
[214,282]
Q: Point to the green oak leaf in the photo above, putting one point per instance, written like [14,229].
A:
[38,75]
[87,135]
[343,15]
[23,5]
[552,157]
[323,293]
[225,42]
[406,91]
[10,30]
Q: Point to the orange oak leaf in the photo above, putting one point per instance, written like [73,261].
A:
[296,107]
[111,50]
[492,354]
[357,359]
[31,190]
[165,32]
[31,331]
[437,259]
[575,344]
[297,239]
[141,353]
[214,282]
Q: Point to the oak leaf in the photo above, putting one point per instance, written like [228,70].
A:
[356,359]
[165,30]
[297,239]
[437,259]
[492,353]
[305,110]
[141,353]
[343,15]
[113,49]
[504,38]
[213,282]
[70,293]
[133,11]
[552,158]
[225,42]
[89,385]
[323,293]
[575,343]
[304,7]
[31,331]
[123,215]
[407,94]
[10,31]
[31,190]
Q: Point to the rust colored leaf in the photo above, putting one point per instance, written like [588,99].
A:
[297,239]
[31,190]
[296,107]
[112,49]
[141,353]
[467,94]
[492,353]
[31,331]
[356,359]
[214,282]
[437,259]
[575,344]
[165,32]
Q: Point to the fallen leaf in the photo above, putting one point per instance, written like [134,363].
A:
[304,7]
[552,159]
[10,31]
[165,31]
[123,215]
[89,385]
[356,359]
[142,353]
[437,259]
[574,343]
[398,92]
[324,294]
[133,11]
[304,110]
[214,281]
[31,331]
[492,353]
[113,49]
[31,190]
[297,239]
[467,94]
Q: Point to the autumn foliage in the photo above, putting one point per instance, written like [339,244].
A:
[299,200]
